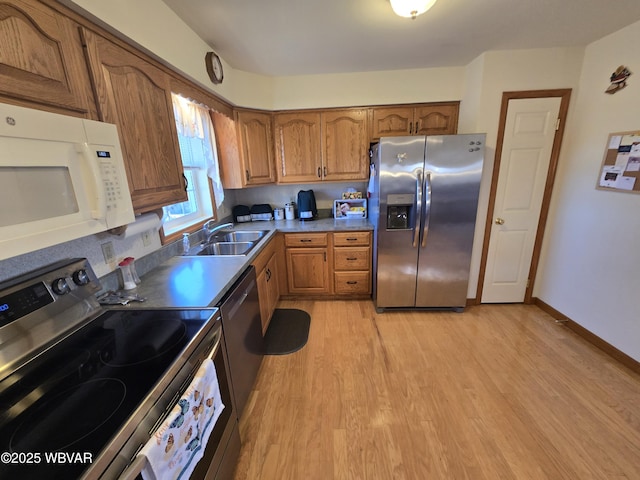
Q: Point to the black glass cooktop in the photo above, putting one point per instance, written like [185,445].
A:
[59,410]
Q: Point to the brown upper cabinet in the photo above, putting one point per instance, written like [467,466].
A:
[41,60]
[135,95]
[228,150]
[313,146]
[297,140]
[427,119]
[256,147]
[245,148]
[345,145]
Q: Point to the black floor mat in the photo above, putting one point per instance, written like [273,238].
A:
[288,331]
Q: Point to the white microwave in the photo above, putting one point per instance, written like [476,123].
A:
[61,178]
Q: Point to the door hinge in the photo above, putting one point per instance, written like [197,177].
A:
[528,282]
[557,124]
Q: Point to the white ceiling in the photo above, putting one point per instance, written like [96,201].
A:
[297,37]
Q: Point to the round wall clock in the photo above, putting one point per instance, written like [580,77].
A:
[214,67]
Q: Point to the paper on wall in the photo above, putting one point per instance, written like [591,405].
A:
[621,161]
[610,175]
[625,183]
[630,139]
[614,143]
[633,165]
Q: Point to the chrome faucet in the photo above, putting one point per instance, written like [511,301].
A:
[210,231]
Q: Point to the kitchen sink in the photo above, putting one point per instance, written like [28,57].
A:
[226,242]
[227,248]
[239,236]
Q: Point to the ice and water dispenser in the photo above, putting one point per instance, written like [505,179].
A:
[400,211]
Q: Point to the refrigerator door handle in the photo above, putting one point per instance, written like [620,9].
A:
[417,210]
[427,209]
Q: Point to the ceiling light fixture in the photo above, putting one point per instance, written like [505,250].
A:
[411,8]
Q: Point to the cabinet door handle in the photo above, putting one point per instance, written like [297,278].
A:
[351,258]
[352,282]
[325,256]
[319,172]
[246,172]
[417,127]
[305,240]
[324,169]
[268,273]
[351,239]
[410,128]
[186,182]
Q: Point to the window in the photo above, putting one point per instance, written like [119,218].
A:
[200,163]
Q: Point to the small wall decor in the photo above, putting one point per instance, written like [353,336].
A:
[618,79]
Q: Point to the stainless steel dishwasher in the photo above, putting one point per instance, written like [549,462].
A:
[242,328]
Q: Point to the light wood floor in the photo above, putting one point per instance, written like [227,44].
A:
[497,392]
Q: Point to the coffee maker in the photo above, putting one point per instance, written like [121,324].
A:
[307,209]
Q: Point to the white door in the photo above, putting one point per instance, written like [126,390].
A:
[526,153]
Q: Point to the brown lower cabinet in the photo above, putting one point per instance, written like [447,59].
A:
[312,264]
[267,277]
[330,263]
[352,263]
[307,263]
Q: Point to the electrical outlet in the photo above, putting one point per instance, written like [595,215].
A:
[146,238]
[108,252]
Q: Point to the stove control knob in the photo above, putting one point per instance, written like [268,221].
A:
[80,277]
[60,286]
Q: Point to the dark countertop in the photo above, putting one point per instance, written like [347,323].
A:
[202,281]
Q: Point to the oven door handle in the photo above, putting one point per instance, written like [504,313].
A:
[216,345]
[135,468]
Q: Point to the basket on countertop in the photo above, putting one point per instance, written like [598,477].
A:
[354,208]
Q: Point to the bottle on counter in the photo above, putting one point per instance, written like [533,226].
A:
[128,282]
[134,271]
[186,244]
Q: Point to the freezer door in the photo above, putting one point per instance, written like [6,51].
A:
[451,184]
[399,166]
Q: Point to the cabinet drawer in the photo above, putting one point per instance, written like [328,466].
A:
[345,239]
[352,282]
[305,240]
[352,258]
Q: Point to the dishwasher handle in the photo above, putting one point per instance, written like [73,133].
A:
[238,303]
[239,294]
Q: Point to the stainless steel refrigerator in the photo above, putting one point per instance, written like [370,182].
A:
[423,203]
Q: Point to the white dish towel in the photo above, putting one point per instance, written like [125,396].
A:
[179,443]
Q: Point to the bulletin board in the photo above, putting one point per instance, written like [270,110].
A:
[620,170]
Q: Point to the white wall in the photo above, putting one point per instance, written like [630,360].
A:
[590,267]
[369,88]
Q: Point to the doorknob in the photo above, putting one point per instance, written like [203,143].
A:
[499,221]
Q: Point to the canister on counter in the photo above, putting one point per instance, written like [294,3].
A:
[278,214]
[289,212]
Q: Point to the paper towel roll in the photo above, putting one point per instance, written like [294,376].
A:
[144,222]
